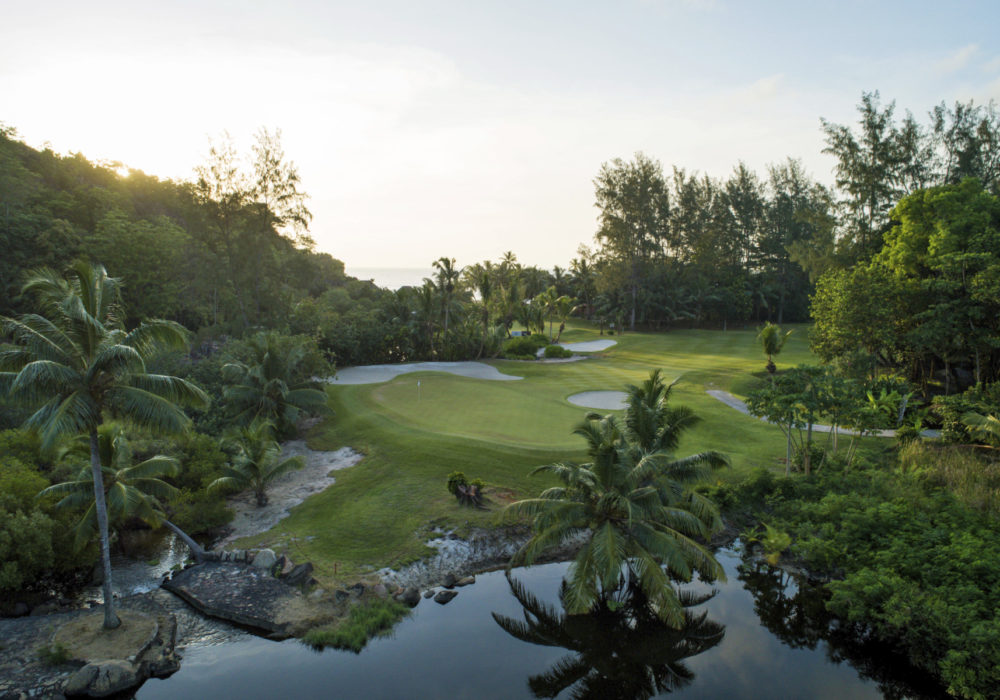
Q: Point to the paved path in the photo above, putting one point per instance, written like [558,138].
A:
[733,402]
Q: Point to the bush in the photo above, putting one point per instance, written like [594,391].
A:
[557,351]
[456,479]
[981,398]
[198,512]
[520,347]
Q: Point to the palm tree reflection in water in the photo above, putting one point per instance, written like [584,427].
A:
[621,648]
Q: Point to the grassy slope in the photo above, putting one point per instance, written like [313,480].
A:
[379,511]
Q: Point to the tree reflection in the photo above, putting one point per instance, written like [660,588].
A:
[795,612]
[621,648]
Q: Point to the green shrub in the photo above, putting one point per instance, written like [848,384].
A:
[26,551]
[520,347]
[456,479]
[197,512]
[981,398]
[557,351]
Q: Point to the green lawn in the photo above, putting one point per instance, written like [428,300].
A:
[380,511]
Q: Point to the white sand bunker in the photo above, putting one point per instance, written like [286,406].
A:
[590,345]
[289,490]
[609,400]
[374,374]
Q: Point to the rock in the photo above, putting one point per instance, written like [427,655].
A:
[101,678]
[379,590]
[79,682]
[265,559]
[299,575]
[20,609]
[410,596]
[449,580]
[317,595]
[357,590]
[429,593]
[444,597]
[341,595]
[466,581]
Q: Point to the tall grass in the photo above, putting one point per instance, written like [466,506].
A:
[375,617]
[972,475]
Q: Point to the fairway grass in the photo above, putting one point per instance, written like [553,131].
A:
[380,512]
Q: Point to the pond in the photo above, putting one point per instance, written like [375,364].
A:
[460,651]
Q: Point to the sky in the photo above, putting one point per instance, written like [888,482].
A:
[467,129]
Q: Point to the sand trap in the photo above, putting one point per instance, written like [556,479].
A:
[609,400]
[590,345]
[288,491]
[374,374]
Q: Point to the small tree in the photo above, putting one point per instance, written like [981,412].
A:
[772,340]
[794,402]
[257,461]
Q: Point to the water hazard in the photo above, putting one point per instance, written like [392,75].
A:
[758,636]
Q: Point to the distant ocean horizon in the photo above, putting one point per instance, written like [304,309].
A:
[392,277]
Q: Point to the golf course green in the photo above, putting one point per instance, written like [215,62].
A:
[381,512]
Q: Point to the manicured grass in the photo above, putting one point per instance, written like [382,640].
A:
[380,512]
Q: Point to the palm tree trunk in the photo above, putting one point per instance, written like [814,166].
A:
[195,548]
[111,620]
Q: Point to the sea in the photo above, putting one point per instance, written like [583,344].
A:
[392,277]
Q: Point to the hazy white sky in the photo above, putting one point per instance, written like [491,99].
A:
[466,129]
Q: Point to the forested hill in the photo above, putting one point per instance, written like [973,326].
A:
[220,251]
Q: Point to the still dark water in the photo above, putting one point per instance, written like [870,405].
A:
[459,651]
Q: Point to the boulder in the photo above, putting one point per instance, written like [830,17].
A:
[100,678]
[380,590]
[265,559]
[341,595]
[466,581]
[357,590]
[299,575]
[429,593]
[444,597]
[449,580]
[410,596]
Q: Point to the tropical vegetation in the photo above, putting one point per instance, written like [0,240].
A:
[640,524]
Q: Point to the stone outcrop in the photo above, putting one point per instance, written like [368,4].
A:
[265,559]
[246,595]
[101,678]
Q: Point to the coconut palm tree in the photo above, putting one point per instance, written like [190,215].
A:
[983,427]
[78,362]
[447,277]
[256,463]
[632,505]
[273,385]
[619,651]
[772,340]
[565,306]
[130,490]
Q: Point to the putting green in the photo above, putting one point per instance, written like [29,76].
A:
[379,513]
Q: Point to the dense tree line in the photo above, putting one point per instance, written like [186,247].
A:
[688,247]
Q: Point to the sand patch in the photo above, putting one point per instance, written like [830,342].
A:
[608,400]
[288,491]
[374,374]
[590,345]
